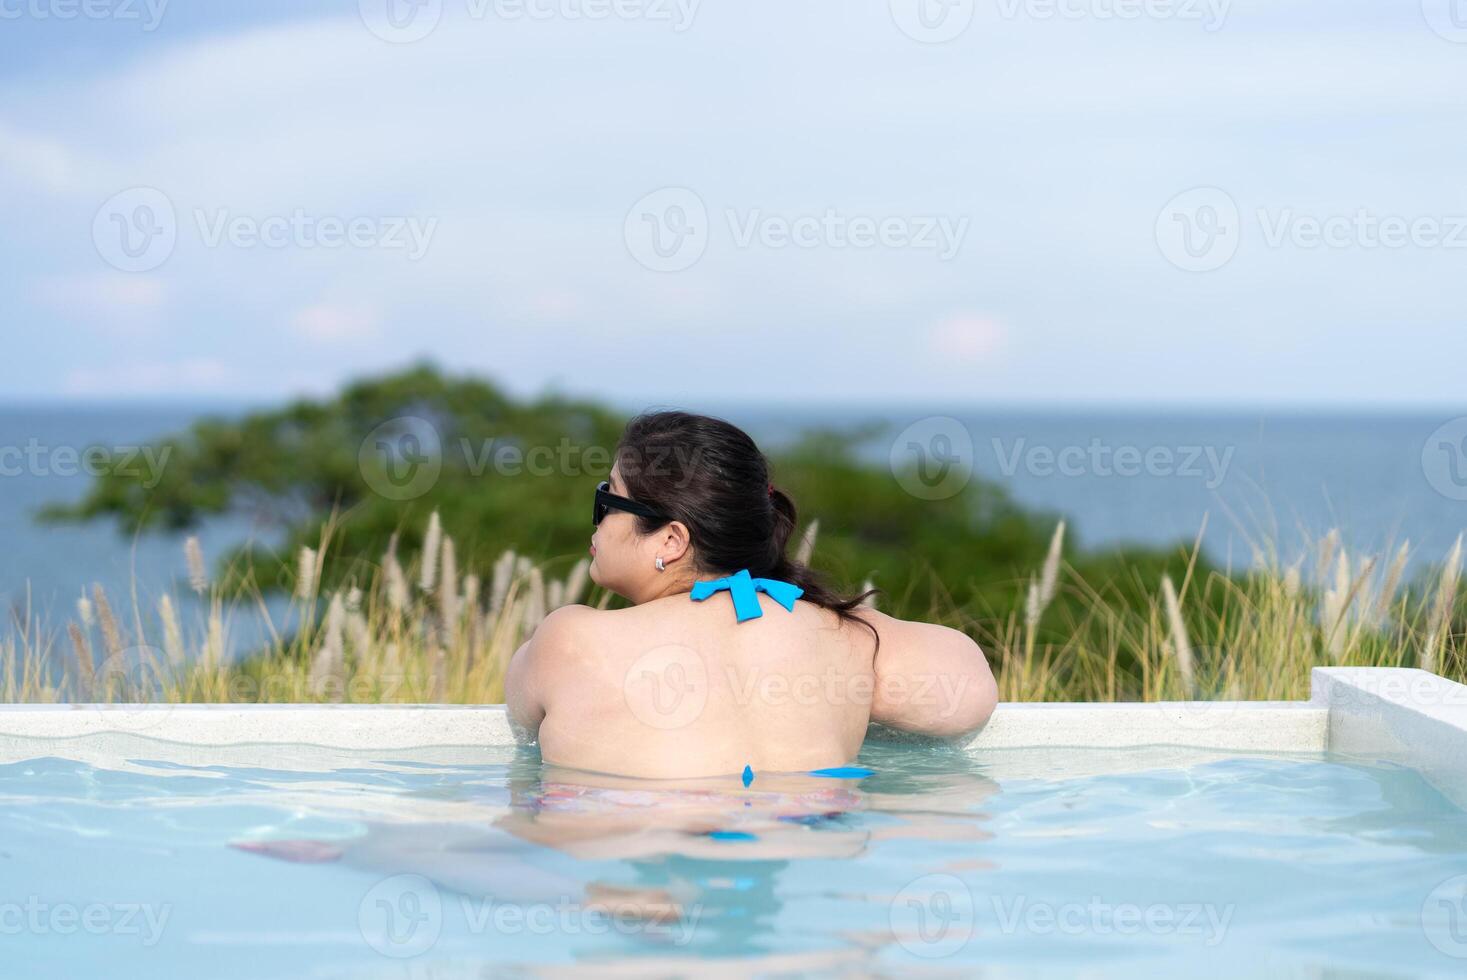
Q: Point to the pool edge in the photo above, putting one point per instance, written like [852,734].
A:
[1401,715]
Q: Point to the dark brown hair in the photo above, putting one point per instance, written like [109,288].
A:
[708,474]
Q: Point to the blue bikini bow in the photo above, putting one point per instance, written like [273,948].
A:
[745,592]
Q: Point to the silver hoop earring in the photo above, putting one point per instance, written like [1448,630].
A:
[660,566]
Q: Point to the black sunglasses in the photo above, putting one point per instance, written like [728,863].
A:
[606,500]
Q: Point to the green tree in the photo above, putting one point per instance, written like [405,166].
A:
[387,451]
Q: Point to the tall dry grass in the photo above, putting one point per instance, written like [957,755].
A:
[1217,636]
[446,637]
[418,628]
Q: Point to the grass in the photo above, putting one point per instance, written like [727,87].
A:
[409,629]
[1249,637]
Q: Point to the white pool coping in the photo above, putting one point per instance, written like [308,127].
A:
[1290,726]
[1406,716]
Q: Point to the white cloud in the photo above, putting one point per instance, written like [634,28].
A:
[330,322]
[968,337]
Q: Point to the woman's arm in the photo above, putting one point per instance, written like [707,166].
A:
[547,665]
[522,700]
[533,670]
[930,679]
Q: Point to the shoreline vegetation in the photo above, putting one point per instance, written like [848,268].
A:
[423,630]
[398,598]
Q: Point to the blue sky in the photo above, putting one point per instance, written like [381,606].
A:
[682,200]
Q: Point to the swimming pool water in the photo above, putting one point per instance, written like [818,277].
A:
[1018,863]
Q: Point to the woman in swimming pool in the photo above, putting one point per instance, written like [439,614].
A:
[731,654]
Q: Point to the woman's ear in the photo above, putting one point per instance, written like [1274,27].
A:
[675,541]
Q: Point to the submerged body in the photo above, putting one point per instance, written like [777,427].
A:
[676,688]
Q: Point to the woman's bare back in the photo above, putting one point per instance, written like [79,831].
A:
[676,688]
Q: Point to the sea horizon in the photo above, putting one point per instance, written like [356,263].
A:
[1247,477]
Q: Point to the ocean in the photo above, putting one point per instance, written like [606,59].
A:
[1118,477]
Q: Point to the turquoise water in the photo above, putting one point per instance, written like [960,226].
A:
[1055,863]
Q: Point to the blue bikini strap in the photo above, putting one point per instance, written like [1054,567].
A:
[744,589]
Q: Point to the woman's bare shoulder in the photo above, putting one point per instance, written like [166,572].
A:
[903,631]
[578,633]
[566,633]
